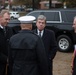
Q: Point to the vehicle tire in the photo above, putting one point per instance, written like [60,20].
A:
[64,43]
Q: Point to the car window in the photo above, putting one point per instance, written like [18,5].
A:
[52,16]
[17,13]
[70,15]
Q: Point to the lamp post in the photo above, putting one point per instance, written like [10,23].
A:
[50,3]
[33,4]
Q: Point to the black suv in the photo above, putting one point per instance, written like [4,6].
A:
[60,21]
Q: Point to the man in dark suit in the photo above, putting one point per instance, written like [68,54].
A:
[5,34]
[48,38]
[27,52]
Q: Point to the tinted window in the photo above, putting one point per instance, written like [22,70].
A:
[70,15]
[52,16]
[36,14]
[17,13]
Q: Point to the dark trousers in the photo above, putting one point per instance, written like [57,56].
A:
[74,69]
[2,69]
[51,67]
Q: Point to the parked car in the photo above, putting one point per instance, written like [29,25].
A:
[14,14]
[29,9]
[60,21]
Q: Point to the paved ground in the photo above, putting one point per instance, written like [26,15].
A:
[61,64]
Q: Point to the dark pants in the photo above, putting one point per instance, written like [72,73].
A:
[2,69]
[51,67]
[74,69]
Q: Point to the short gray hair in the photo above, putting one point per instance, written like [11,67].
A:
[4,11]
[41,17]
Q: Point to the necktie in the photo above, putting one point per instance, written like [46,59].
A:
[40,33]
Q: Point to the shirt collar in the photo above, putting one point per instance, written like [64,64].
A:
[41,32]
[1,26]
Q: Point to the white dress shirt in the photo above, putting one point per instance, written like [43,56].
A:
[1,26]
[39,32]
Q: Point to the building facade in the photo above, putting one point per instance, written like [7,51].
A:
[55,4]
[3,2]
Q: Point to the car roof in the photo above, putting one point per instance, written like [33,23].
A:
[57,9]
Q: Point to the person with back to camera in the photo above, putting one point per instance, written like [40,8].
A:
[73,64]
[48,38]
[27,53]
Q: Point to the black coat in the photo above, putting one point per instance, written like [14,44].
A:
[74,69]
[4,38]
[49,44]
[28,54]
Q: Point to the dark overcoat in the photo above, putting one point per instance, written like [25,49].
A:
[74,68]
[4,38]
[50,45]
[28,54]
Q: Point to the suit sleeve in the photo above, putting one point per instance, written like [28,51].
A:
[42,58]
[3,58]
[53,46]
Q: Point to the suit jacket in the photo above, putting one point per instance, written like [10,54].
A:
[50,46]
[4,38]
[49,43]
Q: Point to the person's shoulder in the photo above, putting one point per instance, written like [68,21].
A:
[35,34]
[14,36]
[8,27]
[49,31]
